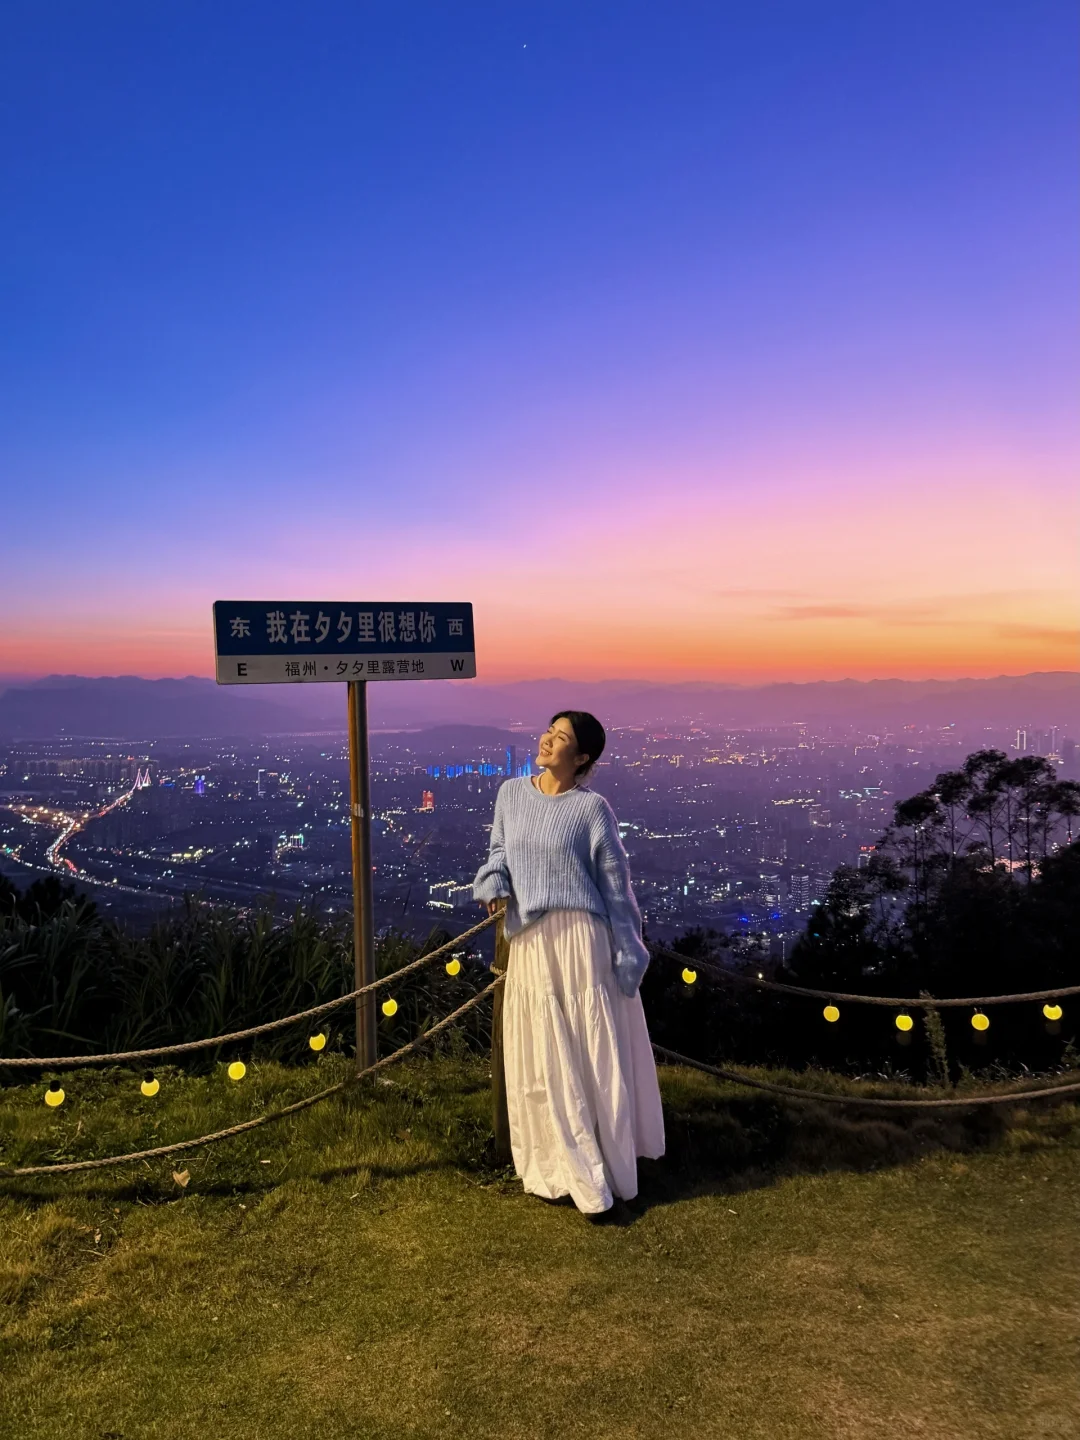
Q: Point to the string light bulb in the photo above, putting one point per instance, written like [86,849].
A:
[237,1070]
[689,975]
[904,1022]
[317,1042]
[453,967]
[389,1007]
[979,1021]
[831,1013]
[54,1095]
[1052,1012]
[150,1084]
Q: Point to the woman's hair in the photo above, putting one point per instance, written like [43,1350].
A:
[589,734]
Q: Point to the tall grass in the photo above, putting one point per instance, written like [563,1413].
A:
[73,981]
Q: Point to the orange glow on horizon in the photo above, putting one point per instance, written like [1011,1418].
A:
[770,582]
[756,653]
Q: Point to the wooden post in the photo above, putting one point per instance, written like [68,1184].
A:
[500,1119]
[363,916]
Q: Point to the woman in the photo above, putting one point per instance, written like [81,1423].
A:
[581,1087]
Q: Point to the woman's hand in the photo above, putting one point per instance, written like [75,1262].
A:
[492,905]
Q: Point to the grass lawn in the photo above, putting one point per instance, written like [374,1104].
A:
[362,1270]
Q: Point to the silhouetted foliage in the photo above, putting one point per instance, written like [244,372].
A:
[74,983]
[973,890]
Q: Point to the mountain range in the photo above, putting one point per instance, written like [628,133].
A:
[128,707]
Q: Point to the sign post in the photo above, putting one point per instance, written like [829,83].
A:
[363,909]
[314,642]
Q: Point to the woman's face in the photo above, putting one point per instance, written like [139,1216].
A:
[558,751]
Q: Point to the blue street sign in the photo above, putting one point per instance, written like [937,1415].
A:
[264,642]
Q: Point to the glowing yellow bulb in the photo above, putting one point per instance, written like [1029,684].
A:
[54,1095]
[317,1042]
[1052,1012]
[980,1021]
[237,1070]
[904,1022]
[150,1085]
[689,976]
[831,1013]
[389,1007]
[453,967]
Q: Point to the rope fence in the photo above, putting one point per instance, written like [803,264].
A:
[790,1092]
[785,1091]
[711,968]
[722,972]
[8,1173]
[78,1062]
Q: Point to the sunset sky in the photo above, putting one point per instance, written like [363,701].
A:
[701,340]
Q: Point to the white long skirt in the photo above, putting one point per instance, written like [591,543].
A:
[581,1087]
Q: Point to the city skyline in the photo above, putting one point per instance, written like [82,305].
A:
[725,347]
[724,826]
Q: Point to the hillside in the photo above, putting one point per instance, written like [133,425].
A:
[128,707]
[363,1271]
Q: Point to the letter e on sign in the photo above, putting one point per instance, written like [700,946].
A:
[241,668]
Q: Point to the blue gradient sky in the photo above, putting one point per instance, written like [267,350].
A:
[686,340]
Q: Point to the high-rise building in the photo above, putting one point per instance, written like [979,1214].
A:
[799,888]
[1043,742]
[261,785]
[510,766]
[427,800]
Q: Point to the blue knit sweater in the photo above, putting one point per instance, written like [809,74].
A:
[563,852]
